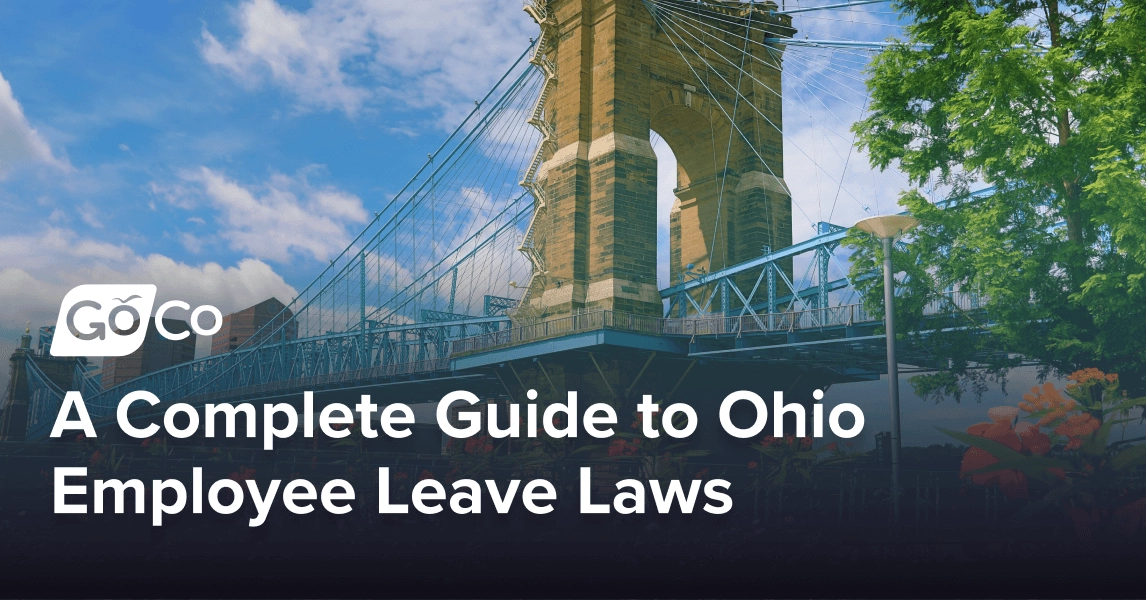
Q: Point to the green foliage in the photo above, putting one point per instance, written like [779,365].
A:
[1046,101]
[788,462]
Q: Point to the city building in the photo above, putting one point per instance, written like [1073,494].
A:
[157,352]
[252,322]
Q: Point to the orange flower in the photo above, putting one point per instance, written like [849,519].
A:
[1011,481]
[1077,427]
[1048,399]
[1033,440]
[1086,375]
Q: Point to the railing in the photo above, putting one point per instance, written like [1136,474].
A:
[791,321]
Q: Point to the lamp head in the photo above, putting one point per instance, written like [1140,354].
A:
[888,226]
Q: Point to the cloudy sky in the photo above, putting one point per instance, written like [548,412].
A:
[225,149]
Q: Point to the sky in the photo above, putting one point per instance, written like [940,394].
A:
[224,149]
[228,150]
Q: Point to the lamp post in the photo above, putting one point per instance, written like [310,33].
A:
[887,228]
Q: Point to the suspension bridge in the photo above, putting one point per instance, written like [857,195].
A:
[524,254]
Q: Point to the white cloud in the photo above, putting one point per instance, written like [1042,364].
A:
[345,54]
[20,143]
[283,217]
[90,215]
[32,284]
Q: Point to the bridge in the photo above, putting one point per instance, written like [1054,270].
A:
[522,255]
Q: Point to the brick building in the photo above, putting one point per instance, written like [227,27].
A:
[157,352]
[241,326]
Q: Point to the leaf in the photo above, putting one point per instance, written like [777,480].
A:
[1129,458]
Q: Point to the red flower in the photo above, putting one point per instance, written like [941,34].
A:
[622,447]
[96,457]
[243,474]
[1011,481]
[1033,440]
[401,476]
[482,445]
[425,475]
[752,465]
[701,473]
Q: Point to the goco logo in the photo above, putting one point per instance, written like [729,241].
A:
[111,320]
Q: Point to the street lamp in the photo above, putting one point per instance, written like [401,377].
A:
[887,228]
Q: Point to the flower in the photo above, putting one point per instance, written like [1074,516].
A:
[97,456]
[1033,440]
[701,473]
[752,465]
[1048,402]
[1085,376]
[1077,427]
[401,476]
[243,474]
[479,445]
[1011,481]
[806,443]
[425,475]
[623,447]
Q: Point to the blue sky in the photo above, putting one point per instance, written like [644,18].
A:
[226,149]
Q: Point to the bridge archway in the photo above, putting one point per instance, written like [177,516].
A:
[616,76]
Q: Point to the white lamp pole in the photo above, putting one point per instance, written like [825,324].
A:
[887,228]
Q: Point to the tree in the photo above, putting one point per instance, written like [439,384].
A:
[1046,101]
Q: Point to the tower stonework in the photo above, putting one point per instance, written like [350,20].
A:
[619,71]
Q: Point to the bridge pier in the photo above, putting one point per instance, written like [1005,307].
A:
[15,413]
[619,76]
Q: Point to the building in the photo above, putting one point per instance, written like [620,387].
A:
[253,322]
[156,353]
[16,404]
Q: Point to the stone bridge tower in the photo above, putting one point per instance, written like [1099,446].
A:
[616,71]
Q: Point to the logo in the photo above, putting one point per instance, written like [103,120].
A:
[111,320]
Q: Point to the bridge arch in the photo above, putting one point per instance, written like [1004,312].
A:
[617,76]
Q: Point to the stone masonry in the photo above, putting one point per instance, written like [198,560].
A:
[619,75]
